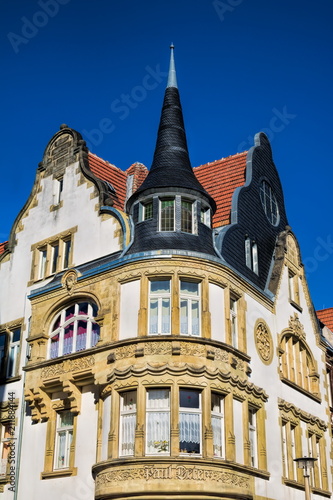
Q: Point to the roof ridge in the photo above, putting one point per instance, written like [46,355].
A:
[221,159]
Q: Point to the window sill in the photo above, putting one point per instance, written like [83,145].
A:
[295,305]
[59,473]
[300,486]
[300,389]
[9,380]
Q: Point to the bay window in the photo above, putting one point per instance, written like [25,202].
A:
[158,422]
[189,308]
[127,423]
[189,421]
[159,307]
[217,415]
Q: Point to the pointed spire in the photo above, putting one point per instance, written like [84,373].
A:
[172,78]
[171,167]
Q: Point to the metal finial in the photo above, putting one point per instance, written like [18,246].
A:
[172,79]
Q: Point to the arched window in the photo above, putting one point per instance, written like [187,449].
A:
[74,329]
[296,363]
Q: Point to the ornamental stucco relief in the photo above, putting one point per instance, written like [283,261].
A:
[264,341]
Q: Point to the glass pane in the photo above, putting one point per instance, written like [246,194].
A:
[69,312]
[189,398]
[158,398]
[153,316]
[66,419]
[217,435]
[129,401]
[186,217]
[158,432]
[68,339]
[67,249]
[55,254]
[184,317]
[2,340]
[189,287]
[81,336]
[61,455]
[95,329]
[189,433]
[216,403]
[148,211]
[11,362]
[128,434]
[16,335]
[83,308]
[165,316]
[54,346]
[195,317]
[162,286]
[167,215]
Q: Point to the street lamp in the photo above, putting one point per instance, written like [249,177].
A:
[306,463]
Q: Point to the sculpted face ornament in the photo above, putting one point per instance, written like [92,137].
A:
[69,280]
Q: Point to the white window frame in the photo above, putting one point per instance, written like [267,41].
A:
[218,417]
[234,322]
[190,300]
[88,318]
[160,297]
[192,411]
[42,262]
[69,434]
[123,414]
[251,255]
[253,436]
[162,445]
[58,190]
[13,354]
[205,216]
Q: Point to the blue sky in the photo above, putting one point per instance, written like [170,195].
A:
[242,66]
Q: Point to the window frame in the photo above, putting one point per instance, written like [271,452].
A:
[269,202]
[10,363]
[251,255]
[68,440]
[159,297]
[165,444]
[183,410]
[60,331]
[163,224]
[220,417]
[125,413]
[233,312]
[186,207]
[190,300]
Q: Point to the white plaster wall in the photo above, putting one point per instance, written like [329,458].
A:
[129,308]
[216,308]
[106,426]
[238,430]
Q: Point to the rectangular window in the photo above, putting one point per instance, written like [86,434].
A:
[63,440]
[13,353]
[251,255]
[5,449]
[252,418]
[2,353]
[167,215]
[289,450]
[186,216]
[42,262]
[148,211]
[293,287]
[127,423]
[189,421]
[233,323]
[158,422]
[159,307]
[205,216]
[58,188]
[189,308]
[66,253]
[217,414]
[55,255]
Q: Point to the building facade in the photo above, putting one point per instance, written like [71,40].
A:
[157,332]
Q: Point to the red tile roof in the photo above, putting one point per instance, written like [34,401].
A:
[220,179]
[326,317]
[2,247]
[110,173]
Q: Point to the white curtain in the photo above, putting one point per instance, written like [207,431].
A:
[189,432]
[128,434]
[158,421]
[217,435]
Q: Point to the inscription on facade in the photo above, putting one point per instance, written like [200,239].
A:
[177,472]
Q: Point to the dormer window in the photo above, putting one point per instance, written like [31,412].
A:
[251,255]
[205,216]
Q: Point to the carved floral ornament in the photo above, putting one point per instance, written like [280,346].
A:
[264,341]
[296,326]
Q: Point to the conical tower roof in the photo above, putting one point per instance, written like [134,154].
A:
[171,166]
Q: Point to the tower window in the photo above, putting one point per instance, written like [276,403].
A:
[186,216]
[158,422]
[167,215]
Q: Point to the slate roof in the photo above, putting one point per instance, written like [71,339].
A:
[326,317]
